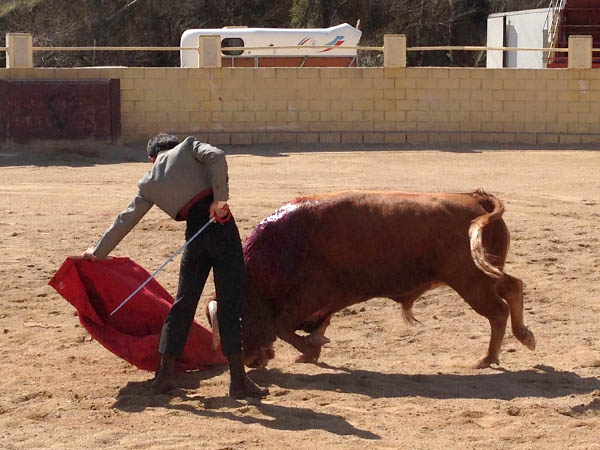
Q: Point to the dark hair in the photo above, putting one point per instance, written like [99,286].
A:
[160,142]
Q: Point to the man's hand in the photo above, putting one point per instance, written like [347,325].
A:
[218,210]
[89,254]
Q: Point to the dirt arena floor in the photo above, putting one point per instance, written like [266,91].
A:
[381,383]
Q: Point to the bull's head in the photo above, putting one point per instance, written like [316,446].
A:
[258,331]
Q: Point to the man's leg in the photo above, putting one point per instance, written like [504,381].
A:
[228,270]
[193,272]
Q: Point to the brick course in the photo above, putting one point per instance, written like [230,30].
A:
[353,105]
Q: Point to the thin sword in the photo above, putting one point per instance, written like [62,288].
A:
[212,220]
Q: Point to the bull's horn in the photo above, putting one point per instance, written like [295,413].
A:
[318,339]
[216,337]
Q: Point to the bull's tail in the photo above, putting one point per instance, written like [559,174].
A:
[495,210]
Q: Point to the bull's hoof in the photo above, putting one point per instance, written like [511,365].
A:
[529,340]
[318,340]
[307,359]
[486,362]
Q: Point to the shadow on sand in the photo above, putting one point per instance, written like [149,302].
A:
[541,381]
[137,396]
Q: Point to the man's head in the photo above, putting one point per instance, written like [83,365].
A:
[160,142]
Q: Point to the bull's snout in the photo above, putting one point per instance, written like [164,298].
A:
[252,357]
[259,358]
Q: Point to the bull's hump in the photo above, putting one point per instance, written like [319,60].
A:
[285,210]
[274,249]
[268,228]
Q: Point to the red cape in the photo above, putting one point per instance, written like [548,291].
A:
[96,287]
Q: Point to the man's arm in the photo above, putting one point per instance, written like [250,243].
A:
[122,225]
[214,160]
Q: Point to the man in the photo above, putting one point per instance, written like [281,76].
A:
[189,181]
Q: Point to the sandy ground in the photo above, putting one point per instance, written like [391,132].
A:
[381,384]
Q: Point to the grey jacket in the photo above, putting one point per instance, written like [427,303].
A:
[177,176]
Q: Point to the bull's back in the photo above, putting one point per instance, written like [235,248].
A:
[360,244]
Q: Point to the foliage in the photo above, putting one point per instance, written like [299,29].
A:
[161,23]
[8,6]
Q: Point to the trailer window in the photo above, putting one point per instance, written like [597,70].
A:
[232,42]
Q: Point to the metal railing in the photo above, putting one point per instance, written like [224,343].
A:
[360,48]
[551,25]
[380,49]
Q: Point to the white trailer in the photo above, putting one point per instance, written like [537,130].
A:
[342,38]
[528,28]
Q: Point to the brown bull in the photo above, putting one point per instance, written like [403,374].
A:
[320,254]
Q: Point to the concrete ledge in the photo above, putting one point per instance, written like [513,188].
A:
[388,138]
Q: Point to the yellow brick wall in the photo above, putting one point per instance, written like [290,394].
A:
[353,105]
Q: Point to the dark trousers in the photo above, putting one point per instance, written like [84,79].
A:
[217,247]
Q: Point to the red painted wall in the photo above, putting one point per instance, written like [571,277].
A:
[60,109]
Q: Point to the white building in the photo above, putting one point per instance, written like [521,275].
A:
[528,29]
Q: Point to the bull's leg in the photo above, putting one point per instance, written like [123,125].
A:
[309,346]
[511,289]
[479,291]
[317,339]
[310,352]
